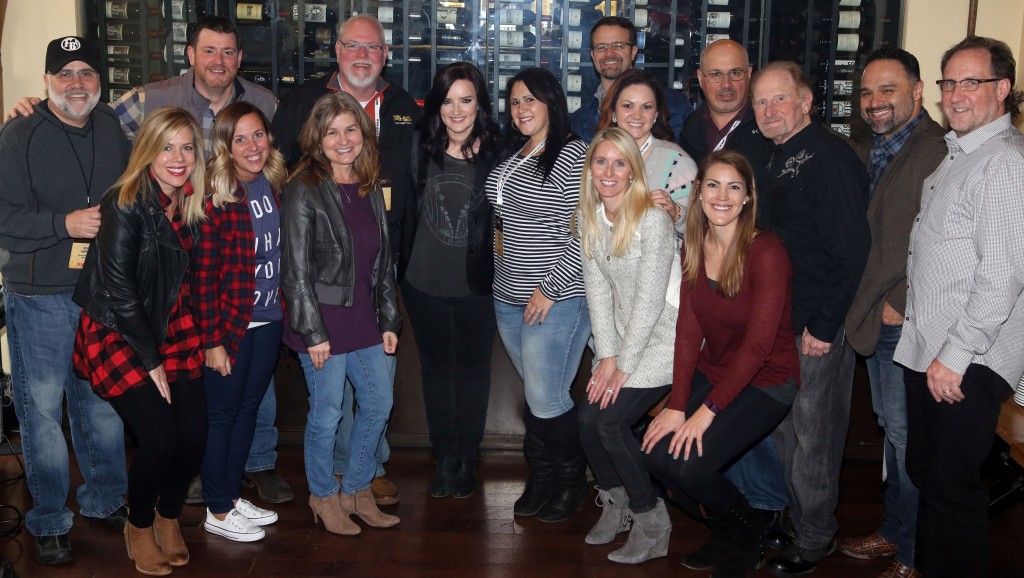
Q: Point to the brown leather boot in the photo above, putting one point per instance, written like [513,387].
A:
[142,548]
[336,520]
[168,538]
[363,505]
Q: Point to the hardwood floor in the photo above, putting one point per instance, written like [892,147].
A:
[449,538]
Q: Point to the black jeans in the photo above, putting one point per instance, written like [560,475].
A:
[738,427]
[454,337]
[946,446]
[172,438]
[613,451]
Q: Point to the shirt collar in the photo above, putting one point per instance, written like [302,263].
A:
[741,114]
[971,141]
[895,142]
[165,201]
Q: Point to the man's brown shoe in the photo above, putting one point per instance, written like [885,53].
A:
[897,570]
[870,547]
[384,492]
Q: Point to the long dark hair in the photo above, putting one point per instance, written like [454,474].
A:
[434,134]
[544,87]
[629,78]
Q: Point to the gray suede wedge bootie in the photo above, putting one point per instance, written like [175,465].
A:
[614,516]
[648,539]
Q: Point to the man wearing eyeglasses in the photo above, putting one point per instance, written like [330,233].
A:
[725,120]
[362,53]
[54,167]
[613,49]
[963,331]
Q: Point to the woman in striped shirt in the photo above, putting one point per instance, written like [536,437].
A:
[539,299]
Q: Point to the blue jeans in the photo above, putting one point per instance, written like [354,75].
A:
[41,334]
[546,355]
[758,476]
[341,440]
[263,452]
[889,400]
[231,404]
[811,440]
[372,378]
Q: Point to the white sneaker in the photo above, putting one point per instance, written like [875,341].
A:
[256,514]
[234,527]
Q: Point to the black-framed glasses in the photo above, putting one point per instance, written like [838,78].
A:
[966,85]
[717,76]
[355,46]
[88,75]
[617,46]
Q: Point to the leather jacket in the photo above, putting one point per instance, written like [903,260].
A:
[132,274]
[316,259]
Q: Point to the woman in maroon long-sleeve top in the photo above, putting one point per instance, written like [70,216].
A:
[732,391]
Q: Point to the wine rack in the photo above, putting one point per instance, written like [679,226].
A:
[286,42]
[831,39]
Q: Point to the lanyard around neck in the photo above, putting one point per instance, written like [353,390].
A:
[513,166]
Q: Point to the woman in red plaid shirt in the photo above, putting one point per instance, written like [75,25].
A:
[238,308]
[136,342]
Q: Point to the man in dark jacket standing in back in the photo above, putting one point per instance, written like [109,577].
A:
[54,167]
[907,146]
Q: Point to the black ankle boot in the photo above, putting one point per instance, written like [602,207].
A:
[747,536]
[562,436]
[465,478]
[541,486]
[444,478]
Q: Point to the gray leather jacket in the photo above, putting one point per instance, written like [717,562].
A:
[316,259]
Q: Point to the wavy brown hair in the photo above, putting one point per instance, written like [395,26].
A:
[314,167]
[730,276]
[222,178]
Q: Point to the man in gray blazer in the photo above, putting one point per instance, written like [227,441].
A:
[906,148]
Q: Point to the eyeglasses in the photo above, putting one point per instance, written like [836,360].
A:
[966,85]
[357,46]
[604,46]
[717,76]
[68,75]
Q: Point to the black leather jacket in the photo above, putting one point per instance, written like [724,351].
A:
[133,273]
[316,259]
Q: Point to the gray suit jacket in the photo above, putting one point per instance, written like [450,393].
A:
[894,204]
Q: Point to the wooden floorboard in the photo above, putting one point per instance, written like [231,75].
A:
[447,538]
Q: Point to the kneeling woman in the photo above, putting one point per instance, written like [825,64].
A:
[342,303]
[136,342]
[630,253]
[238,309]
[733,390]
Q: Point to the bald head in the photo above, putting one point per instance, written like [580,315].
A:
[724,75]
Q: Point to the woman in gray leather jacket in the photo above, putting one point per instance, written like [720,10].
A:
[339,290]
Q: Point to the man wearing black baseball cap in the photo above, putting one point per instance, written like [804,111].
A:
[54,167]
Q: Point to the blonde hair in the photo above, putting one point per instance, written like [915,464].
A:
[314,167]
[222,179]
[635,201]
[730,275]
[158,128]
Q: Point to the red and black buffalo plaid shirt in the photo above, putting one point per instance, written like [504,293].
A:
[110,364]
[223,272]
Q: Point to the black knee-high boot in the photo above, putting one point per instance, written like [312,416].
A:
[561,435]
[541,486]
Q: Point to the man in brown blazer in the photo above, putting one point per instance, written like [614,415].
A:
[907,147]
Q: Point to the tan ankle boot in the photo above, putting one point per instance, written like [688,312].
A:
[335,519]
[363,505]
[142,548]
[168,538]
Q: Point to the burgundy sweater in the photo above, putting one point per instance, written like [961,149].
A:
[749,338]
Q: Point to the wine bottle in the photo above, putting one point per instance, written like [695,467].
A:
[513,38]
[260,77]
[843,129]
[120,53]
[842,108]
[449,37]
[848,42]
[124,75]
[180,10]
[849,19]
[122,10]
[643,18]
[117,93]
[251,12]
[395,14]
[394,37]
[515,16]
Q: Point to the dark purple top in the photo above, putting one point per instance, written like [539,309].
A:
[352,328]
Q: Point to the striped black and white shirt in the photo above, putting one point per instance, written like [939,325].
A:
[539,248]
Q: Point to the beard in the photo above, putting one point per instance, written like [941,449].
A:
[75,111]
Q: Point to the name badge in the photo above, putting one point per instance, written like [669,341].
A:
[79,249]
[385,185]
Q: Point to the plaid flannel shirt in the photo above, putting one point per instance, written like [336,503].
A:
[131,110]
[224,263]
